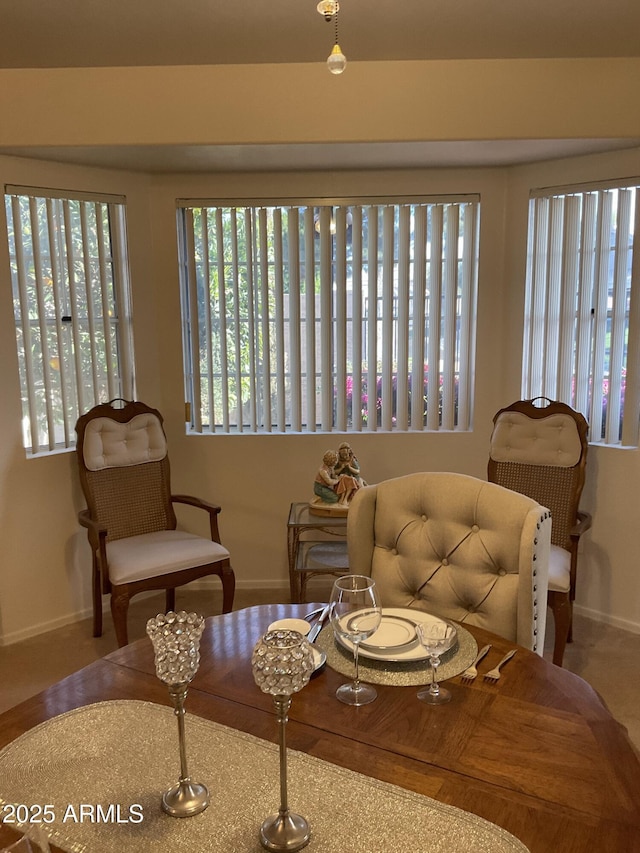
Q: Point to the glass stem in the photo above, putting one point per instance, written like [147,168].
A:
[356,682]
[435,687]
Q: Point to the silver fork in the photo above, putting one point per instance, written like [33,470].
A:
[494,674]
[471,672]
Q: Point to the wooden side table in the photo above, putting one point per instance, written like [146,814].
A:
[316,544]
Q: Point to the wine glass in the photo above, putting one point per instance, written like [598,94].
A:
[437,638]
[355,615]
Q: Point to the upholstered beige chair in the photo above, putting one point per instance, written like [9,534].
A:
[130,520]
[539,448]
[457,547]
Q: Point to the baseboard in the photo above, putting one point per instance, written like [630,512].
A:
[44,627]
[607,619]
[214,583]
[87,613]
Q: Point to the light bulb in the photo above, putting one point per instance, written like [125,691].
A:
[328,8]
[337,61]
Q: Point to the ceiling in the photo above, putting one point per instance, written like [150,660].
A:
[80,33]
[83,33]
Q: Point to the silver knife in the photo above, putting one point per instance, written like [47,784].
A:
[322,618]
[311,615]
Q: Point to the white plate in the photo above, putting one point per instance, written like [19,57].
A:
[300,625]
[319,658]
[411,652]
[394,633]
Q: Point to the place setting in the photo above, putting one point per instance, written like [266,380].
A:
[387,645]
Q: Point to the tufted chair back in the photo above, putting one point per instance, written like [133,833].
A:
[124,469]
[457,547]
[541,451]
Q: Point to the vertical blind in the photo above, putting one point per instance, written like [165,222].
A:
[71,305]
[329,317]
[582,319]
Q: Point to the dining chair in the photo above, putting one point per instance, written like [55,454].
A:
[457,547]
[135,541]
[539,448]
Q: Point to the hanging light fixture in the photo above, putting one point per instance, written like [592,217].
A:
[336,61]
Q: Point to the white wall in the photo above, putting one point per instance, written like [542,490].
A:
[44,564]
[283,103]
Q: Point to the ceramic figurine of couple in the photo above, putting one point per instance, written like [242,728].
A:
[337,480]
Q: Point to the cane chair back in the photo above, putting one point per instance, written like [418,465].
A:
[124,470]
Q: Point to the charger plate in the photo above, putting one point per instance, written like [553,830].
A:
[400,670]
[125,753]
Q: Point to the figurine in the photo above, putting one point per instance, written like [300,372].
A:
[348,465]
[337,480]
[324,486]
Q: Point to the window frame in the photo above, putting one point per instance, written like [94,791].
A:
[68,265]
[582,304]
[338,237]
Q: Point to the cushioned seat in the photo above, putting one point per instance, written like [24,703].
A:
[160,553]
[457,547]
[559,569]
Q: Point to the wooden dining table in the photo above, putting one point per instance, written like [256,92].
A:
[537,753]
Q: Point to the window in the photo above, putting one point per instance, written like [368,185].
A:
[333,317]
[581,315]
[71,304]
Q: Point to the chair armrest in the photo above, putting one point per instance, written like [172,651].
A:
[97,532]
[84,517]
[198,503]
[581,526]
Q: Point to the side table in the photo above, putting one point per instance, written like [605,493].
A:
[311,548]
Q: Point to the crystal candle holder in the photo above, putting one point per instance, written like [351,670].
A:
[282,664]
[176,643]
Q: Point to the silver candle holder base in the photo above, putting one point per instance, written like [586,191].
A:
[285,832]
[185,799]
